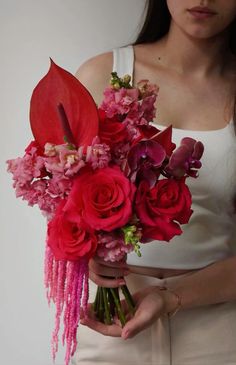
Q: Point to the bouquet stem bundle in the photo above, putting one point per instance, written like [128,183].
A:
[108,305]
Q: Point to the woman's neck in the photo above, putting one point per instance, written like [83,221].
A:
[199,57]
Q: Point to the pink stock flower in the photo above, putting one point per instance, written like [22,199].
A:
[50,150]
[24,169]
[111,247]
[186,158]
[59,187]
[134,107]
[118,102]
[142,113]
[148,110]
[98,155]
[135,117]
[37,192]
[147,89]
[63,160]
[56,190]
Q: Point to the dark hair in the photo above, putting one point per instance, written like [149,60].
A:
[157,23]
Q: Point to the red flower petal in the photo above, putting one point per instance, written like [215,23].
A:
[58,86]
[164,138]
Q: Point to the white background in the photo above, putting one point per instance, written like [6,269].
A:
[31,31]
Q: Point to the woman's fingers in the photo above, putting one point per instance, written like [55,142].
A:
[106,281]
[148,310]
[105,270]
[90,321]
[117,264]
[150,305]
[106,276]
[113,330]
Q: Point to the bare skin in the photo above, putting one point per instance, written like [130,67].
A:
[197,79]
[215,283]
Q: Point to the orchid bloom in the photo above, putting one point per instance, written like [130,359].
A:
[186,158]
[144,159]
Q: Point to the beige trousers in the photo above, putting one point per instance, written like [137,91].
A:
[199,336]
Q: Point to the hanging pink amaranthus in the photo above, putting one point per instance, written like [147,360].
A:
[66,283]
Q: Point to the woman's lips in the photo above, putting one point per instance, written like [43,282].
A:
[201,12]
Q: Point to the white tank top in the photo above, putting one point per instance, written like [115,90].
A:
[209,236]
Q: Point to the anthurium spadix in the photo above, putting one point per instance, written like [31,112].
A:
[61,107]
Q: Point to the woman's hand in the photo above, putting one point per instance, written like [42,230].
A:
[107,274]
[151,303]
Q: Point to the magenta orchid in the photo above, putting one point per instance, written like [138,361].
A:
[144,159]
[186,158]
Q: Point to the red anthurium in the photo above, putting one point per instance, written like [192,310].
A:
[62,107]
[146,132]
[164,138]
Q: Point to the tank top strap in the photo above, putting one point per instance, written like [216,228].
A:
[123,61]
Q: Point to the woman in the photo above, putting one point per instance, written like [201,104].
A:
[188,49]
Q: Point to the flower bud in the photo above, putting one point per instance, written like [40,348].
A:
[116,86]
[127,79]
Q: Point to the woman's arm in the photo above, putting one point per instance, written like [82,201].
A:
[215,283]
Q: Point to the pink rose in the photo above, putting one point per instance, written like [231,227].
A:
[68,238]
[103,198]
[162,207]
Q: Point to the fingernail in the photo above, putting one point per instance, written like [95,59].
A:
[126,334]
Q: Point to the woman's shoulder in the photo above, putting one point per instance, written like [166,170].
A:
[95,74]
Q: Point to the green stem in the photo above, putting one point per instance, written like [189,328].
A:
[128,298]
[101,306]
[111,303]
[107,317]
[120,312]
[96,301]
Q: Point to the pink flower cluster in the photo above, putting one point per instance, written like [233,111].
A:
[111,247]
[135,106]
[45,179]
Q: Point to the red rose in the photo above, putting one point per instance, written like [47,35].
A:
[111,130]
[162,207]
[68,238]
[103,198]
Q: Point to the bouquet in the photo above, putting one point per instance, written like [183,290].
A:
[107,181]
